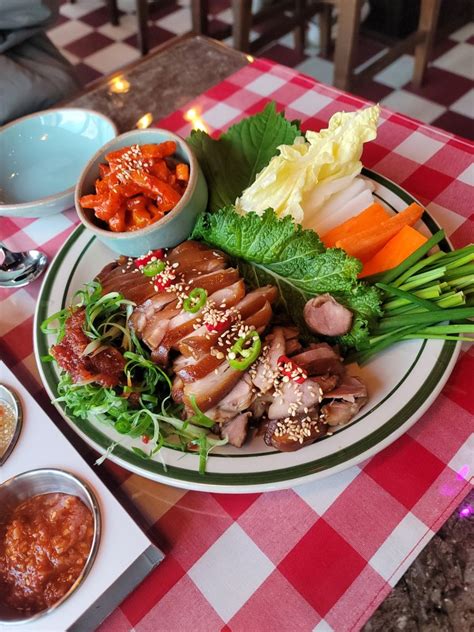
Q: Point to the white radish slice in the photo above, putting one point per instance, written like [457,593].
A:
[370,184]
[340,199]
[316,218]
[314,199]
[353,207]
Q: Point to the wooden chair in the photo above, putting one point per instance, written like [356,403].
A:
[286,15]
[348,25]
[347,33]
[142,19]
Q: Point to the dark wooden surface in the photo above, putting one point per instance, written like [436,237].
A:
[162,81]
[435,594]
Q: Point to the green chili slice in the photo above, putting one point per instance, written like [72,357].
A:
[153,268]
[245,351]
[123,426]
[196,300]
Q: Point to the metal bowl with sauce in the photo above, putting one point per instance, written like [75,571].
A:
[22,487]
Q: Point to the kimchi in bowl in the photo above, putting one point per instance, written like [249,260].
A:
[174,227]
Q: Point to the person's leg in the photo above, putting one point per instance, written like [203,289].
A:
[33,76]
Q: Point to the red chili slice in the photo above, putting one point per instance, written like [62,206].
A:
[161,284]
[145,439]
[142,261]
[291,369]
[219,327]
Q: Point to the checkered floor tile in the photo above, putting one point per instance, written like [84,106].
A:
[95,47]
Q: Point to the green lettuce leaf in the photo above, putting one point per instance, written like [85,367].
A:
[231,163]
[269,250]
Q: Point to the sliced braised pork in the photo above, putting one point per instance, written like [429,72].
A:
[240,398]
[344,402]
[122,276]
[254,311]
[293,398]
[349,389]
[340,412]
[293,433]
[211,389]
[298,392]
[194,370]
[235,429]
[153,326]
[185,323]
[196,259]
[320,359]
[325,316]
[267,369]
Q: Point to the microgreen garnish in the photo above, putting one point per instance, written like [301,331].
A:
[141,404]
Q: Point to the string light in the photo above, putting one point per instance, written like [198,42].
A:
[145,121]
[119,85]
[192,116]
[250,58]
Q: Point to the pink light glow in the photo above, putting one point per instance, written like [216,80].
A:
[466,511]
[463,473]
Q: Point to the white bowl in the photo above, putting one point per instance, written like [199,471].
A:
[42,156]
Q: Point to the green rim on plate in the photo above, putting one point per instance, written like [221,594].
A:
[291,474]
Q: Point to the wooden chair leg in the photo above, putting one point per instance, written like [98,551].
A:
[325,29]
[199,11]
[113,12]
[348,23]
[242,21]
[300,30]
[142,19]
[429,12]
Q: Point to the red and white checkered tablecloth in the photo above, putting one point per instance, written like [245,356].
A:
[321,556]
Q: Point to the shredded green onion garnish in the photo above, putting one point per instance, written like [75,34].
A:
[141,406]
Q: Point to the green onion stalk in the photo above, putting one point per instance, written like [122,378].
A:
[427,296]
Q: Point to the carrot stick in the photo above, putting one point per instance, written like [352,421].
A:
[91,201]
[104,170]
[160,170]
[396,250]
[366,243]
[182,171]
[158,188]
[167,148]
[117,222]
[373,214]
[113,156]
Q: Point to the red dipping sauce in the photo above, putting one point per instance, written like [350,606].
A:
[44,545]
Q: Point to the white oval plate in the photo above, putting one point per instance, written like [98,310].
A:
[403,382]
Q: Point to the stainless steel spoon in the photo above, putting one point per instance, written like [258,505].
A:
[20,268]
[9,428]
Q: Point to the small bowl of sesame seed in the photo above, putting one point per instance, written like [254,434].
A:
[130,167]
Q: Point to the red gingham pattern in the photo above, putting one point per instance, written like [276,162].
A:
[321,556]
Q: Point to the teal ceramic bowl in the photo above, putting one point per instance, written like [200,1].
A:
[175,226]
[42,156]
